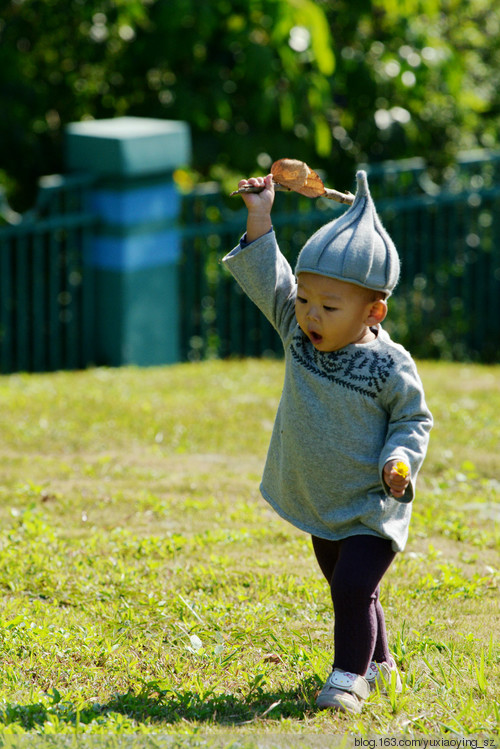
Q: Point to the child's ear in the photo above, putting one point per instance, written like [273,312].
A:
[377,312]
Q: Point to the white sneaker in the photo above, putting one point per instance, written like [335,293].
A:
[344,691]
[380,674]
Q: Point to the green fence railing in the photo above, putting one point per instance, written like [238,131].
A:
[46,292]
[446,305]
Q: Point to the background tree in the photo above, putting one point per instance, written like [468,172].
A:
[331,82]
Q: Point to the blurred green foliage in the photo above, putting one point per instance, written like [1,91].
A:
[329,81]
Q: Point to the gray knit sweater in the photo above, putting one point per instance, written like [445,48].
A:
[341,417]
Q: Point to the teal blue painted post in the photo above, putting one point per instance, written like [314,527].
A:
[136,250]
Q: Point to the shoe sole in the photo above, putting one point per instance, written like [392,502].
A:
[338,705]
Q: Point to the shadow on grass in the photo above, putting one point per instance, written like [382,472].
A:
[222,709]
[167,707]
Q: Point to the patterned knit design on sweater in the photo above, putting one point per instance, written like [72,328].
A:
[364,372]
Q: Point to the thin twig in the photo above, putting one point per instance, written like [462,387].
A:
[255,189]
[186,603]
[262,715]
[339,197]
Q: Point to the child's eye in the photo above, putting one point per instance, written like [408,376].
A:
[329,309]
[301,300]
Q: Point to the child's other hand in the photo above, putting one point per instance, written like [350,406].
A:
[394,479]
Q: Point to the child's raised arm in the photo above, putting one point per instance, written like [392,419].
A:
[259,206]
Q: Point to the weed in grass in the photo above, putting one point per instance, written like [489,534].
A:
[480,672]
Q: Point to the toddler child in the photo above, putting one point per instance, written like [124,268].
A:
[351,412]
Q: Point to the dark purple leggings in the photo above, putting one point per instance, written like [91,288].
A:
[354,568]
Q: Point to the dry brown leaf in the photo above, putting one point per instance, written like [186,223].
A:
[272,658]
[297,176]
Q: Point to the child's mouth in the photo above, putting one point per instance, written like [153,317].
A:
[315,337]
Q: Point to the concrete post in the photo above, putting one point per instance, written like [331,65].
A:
[136,250]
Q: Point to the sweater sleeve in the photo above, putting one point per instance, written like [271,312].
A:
[410,422]
[265,276]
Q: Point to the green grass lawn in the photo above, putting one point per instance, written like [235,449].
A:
[147,588]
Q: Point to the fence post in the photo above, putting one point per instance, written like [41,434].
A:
[136,249]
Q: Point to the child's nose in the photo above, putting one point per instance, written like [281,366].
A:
[312,313]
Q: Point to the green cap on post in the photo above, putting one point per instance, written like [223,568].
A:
[127,146]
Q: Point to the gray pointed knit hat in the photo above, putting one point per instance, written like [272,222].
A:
[354,247]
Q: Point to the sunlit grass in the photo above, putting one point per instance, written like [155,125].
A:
[146,588]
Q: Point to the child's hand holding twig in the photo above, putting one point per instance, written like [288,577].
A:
[397,477]
[259,206]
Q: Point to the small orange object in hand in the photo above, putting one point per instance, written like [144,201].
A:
[402,469]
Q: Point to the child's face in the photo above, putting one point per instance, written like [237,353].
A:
[333,313]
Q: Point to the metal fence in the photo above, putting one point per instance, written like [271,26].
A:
[448,236]
[446,305]
[46,291]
